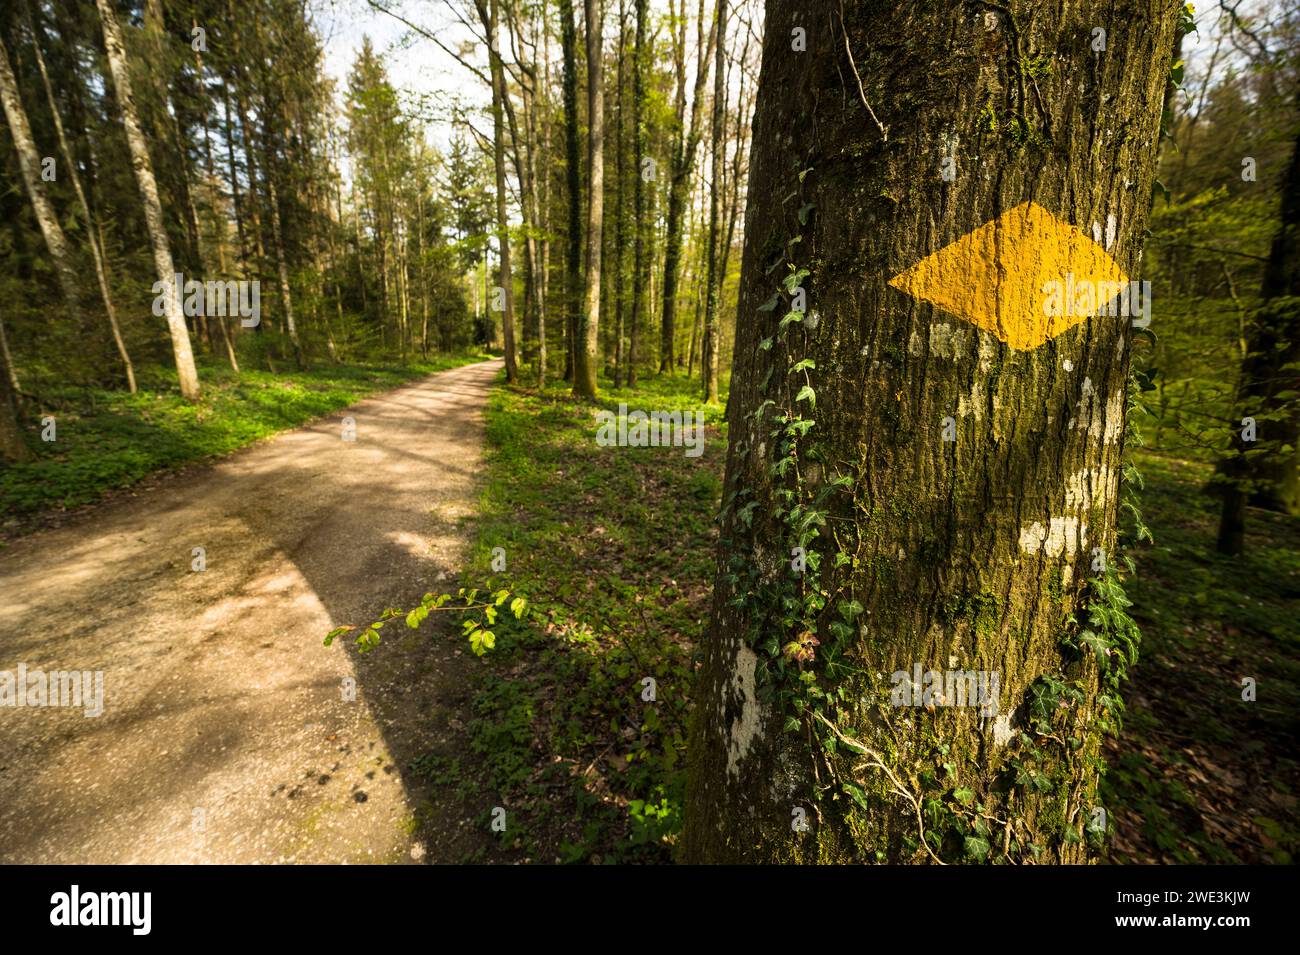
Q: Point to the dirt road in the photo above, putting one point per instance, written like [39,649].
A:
[226,733]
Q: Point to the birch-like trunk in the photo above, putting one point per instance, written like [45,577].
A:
[587,339]
[115,49]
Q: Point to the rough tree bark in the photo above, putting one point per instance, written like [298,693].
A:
[115,49]
[964,554]
[587,338]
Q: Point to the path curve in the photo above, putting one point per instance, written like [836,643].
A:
[226,735]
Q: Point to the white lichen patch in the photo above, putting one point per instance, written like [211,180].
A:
[1088,487]
[973,403]
[1105,423]
[745,728]
[1002,731]
[941,340]
[1061,535]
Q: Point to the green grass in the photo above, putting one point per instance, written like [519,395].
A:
[614,547]
[111,439]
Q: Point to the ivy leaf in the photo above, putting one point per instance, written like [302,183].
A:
[858,795]
[803,365]
[850,610]
[771,303]
[977,848]
[807,394]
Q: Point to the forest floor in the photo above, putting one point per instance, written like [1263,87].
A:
[1199,774]
[228,733]
[617,545]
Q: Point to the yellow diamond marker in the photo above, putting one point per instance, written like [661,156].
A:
[1026,277]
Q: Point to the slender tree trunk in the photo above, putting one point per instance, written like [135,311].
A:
[620,201]
[573,175]
[587,340]
[679,186]
[11,373]
[115,49]
[282,266]
[499,161]
[640,220]
[713,289]
[29,161]
[93,236]
[13,448]
[210,167]
[910,488]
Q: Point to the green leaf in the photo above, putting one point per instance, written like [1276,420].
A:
[337,632]
[858,795]
[807,394]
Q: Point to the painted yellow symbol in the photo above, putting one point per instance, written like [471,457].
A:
[1026,277]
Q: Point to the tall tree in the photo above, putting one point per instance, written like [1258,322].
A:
[641,218]
[29,161]
[115,50]
[686,141]
[587,339]
[713,291]
[493,17]
[924,470]
[70,166]
[573,176]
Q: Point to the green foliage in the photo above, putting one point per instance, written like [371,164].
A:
[609,544]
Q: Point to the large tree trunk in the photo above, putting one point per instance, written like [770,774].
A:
[162,256]
[587,339]
[1271,368]
[965,554]
[499,160]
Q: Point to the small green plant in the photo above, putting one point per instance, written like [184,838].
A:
[480,616]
